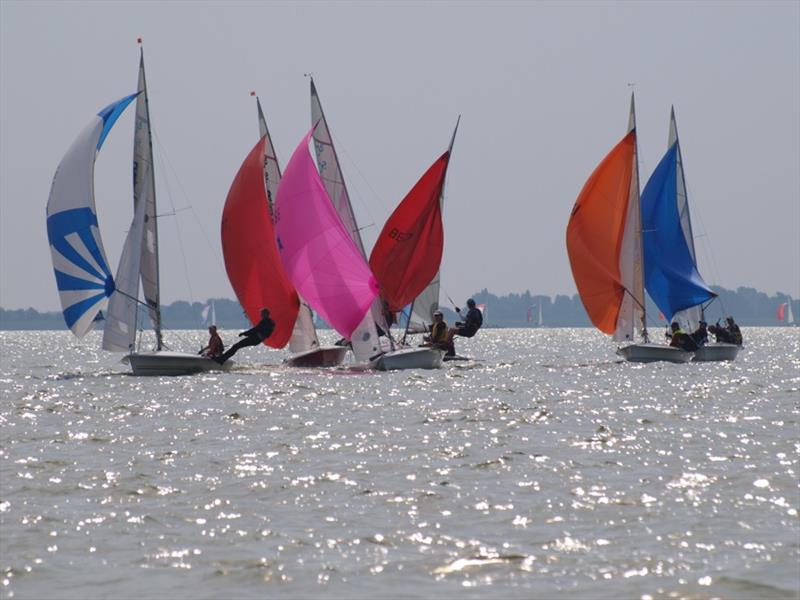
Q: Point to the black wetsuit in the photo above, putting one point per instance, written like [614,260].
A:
[252,337]
[471,324]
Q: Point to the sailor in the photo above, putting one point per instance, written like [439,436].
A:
[215,346]
[438,336]
[252,337]
[700,335]
[469,327]
[734,331]
[680,339]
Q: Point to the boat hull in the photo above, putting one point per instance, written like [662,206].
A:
[646,353]
[166,362]
[409,358]
[329,356]
[716,352]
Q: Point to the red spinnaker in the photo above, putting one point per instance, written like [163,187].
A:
[408,251]
[251,253]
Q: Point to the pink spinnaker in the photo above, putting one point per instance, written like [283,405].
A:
[318,255]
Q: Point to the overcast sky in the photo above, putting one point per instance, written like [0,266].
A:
[543,90]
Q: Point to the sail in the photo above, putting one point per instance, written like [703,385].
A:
[408,251]
[144,190]
[690,317]
[789,313]
[304,334]
[251,255]
[631,312]
[82,273]
[318,255]
[331,172]
[670,273]
[332,177]
[595,233]
[119,332]
[427,301]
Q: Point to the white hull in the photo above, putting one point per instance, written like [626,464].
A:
[165,362]
[645,353]
[409,358]
[329,356]
[716,352]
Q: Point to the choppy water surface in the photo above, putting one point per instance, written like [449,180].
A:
[545,468]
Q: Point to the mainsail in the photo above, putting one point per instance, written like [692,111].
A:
[144,190]
[82,273]
[318,255]
[603,241]
[251,255]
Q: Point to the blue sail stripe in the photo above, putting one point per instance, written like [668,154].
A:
[80,222]
[77,310]
[111,113]
[70,283]
[670,273]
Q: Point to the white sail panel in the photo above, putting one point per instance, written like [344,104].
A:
[631,314]
[426,304]
[364,340]
[119,333]
[331,172]
[144,191]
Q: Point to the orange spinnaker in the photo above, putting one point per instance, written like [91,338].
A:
[595,231]
[251,253]
[408,251]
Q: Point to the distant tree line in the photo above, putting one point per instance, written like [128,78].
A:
[747,305]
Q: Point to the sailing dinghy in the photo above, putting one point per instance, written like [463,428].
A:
[605,252]
[83,277]
[670,263]
[408,252]
[332,178]
[253,263]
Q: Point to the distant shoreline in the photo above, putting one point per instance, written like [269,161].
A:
[748,306]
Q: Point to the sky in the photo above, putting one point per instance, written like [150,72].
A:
[543,90]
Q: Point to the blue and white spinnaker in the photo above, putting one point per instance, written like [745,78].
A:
[82,273]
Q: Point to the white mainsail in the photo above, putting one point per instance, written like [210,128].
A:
[144,190]
[304,335]
[631,312]
[690,318]
[789,313]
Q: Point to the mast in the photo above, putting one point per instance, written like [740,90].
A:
[638,276]
[144,190]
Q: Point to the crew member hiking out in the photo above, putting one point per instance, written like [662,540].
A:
[252,337]
[468,328]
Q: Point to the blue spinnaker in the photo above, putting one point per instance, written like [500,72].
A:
[670,274]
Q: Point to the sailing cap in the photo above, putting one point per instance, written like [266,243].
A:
[438,313]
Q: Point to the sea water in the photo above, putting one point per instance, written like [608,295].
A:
[543,468]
